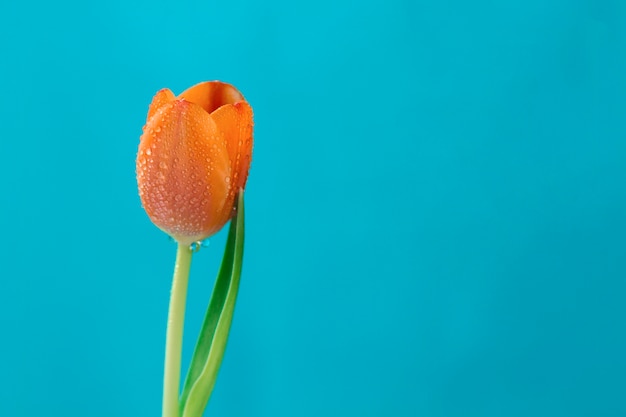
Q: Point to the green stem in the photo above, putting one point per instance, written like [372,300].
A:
[174,338]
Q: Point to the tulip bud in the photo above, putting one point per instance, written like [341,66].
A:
[194,157]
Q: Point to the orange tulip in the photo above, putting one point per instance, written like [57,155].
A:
[194,156]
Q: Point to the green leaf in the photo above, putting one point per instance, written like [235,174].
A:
[211,344]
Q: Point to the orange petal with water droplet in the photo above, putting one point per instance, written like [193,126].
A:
[182,164]
[210,95]
[234,121]
[164,96]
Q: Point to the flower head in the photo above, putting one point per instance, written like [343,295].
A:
[194,156]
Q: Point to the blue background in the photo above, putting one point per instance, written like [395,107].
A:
[435,214]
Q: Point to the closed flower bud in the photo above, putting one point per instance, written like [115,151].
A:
[193,158]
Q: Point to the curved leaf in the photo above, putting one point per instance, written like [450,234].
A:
[211,343]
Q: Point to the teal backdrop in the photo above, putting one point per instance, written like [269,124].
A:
[436,211]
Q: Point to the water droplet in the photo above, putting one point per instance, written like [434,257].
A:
[162,165]
[195,246]
[206,243]
[148,151]
[158,129]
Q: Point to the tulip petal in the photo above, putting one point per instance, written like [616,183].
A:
[235,122]
[210,95]
[164,96]
[182,167]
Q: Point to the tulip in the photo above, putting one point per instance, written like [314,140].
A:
[194,156]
